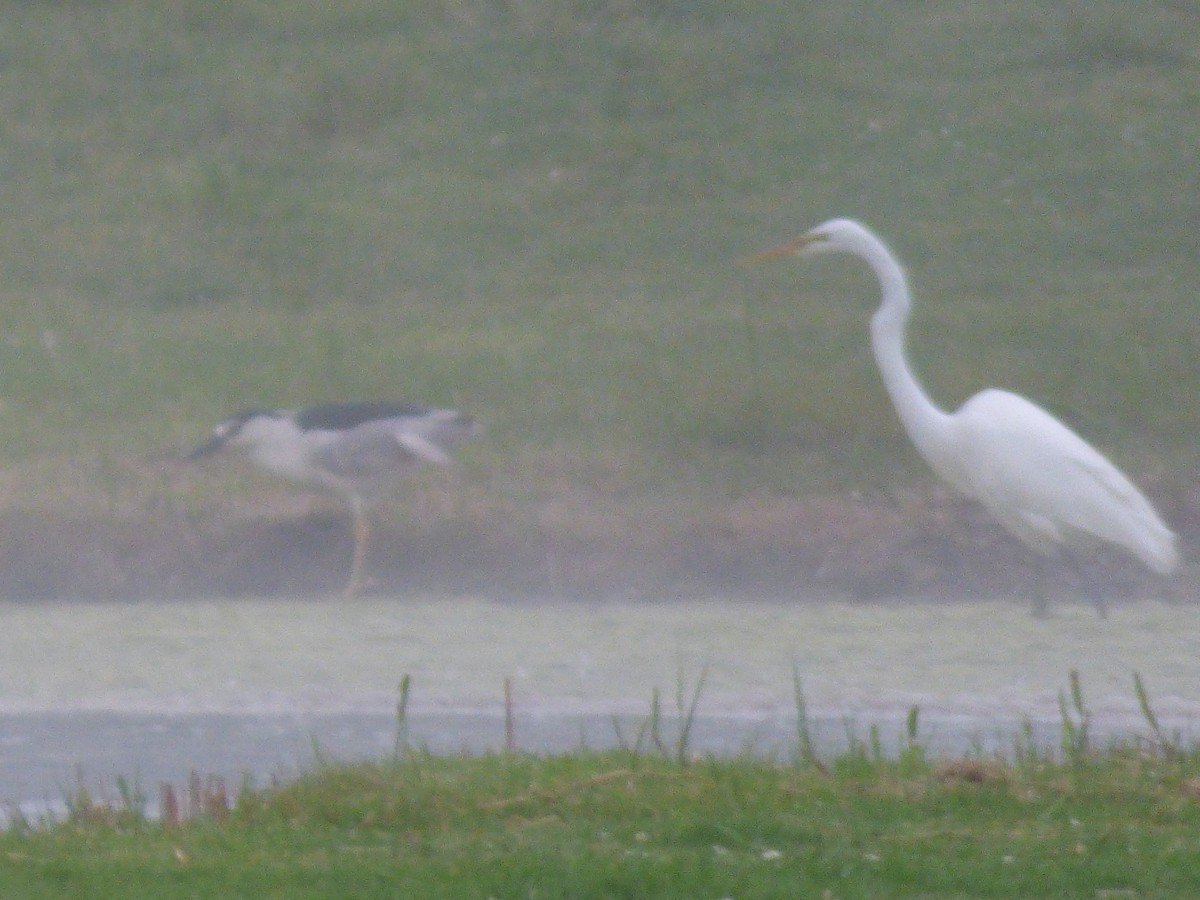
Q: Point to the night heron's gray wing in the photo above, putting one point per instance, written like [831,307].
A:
[380,450]
[345,416]
[422,448]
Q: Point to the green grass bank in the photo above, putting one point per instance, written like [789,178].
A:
[1116,823]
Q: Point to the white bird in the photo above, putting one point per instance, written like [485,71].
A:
[1046,485]
[354,450]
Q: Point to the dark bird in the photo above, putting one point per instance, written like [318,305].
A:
[354,450]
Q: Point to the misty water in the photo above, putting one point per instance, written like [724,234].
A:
[257,689]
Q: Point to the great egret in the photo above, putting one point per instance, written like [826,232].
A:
[1044,483]
[355,450]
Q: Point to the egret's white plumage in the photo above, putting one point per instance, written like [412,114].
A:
[1041,481]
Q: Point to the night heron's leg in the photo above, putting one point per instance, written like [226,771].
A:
[362,534]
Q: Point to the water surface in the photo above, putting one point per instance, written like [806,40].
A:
[154,690]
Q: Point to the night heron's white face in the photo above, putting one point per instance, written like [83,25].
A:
[237,429]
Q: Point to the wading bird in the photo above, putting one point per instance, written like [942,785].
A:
[1045,484]
[354,450]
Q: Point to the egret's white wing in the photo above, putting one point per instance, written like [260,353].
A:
[1048,485]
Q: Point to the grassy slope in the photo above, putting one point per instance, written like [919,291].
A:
[533,211]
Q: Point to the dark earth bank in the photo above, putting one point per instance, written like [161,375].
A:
[930,544]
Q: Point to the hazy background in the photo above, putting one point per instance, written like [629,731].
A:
[532,210]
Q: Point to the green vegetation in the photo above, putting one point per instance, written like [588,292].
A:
[533,210]
[653,821]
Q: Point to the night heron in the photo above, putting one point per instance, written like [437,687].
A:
[355,450]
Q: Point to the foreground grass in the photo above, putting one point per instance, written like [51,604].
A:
[619,824]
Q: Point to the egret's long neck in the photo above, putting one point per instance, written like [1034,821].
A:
[930,428]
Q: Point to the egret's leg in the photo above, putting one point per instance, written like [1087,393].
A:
[362,535]
[1041,603]
[1050,565]
[1090,589]
[1041,597]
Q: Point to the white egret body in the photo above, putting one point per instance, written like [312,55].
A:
[1042,482]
